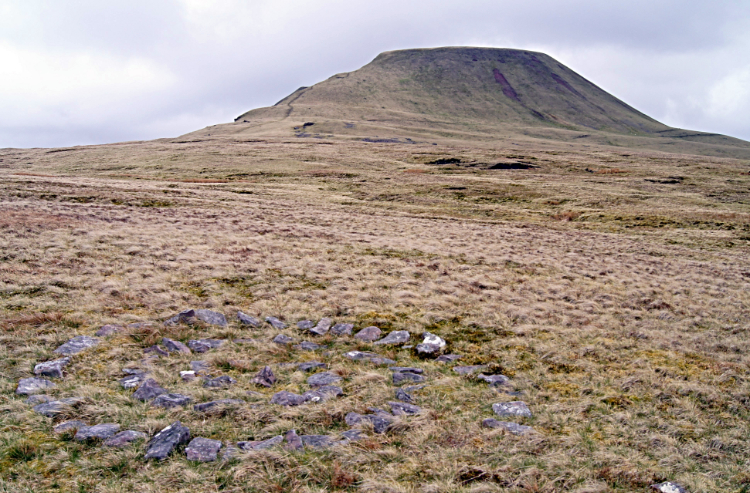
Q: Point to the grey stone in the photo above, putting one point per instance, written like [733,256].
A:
[448,358]
[515,408]
[514,428]
[200,367]
[265,377]
[223,382]
[276,323]
[413,388]
[148,390]
[286,398]
[382,361]
[380,422]
[69,426]
[132,381]
[203,449]
[211,317]
[283,339]
[293,441]
[322,327]
[395,337]
[97,432]
[368,334]
[427,349]
[353,435]
[184,317]
[305,324]
[212,405]
[38,399]
[308,346]
[261,445]
[668,487]
[433,340]
[164,442]
[322,394]
[310,365]
[124,438]
[204,345]
[317,441]
[52,369]
[404,377]
[402,408]
[133,371]
[168,401]
[156,350]
[77,344]
[468,370]
[406,369]
[360,355]
[29,386]
[246,319]
[175,346]
[53,408]
[404,396]
[494,380]
[108,330]
[188,375]
[323,378]
[342,329]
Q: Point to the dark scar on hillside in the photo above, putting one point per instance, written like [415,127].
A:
[507,88]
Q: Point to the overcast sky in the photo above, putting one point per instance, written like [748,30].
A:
[97,71]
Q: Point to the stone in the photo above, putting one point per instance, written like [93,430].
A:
[175,346]
[283,339]
[368,334]
[342,329]
[515,408]
[380,422]
[133,371]
[38,399]
[308,346]
[29,386]
[434,340]
[261,445]
[286,398]
[311,365]
[448,358]
[148,390]
[132,381]
[199,367]
[246,319]
[404,396]
[293,441]
[276,323]
[184,317]
[494,380]
[211,317]
[223,382]
[513,428]
[168,401]
[204,345]
[395,337]
[139,325]
[404,377]
[360,355]
[76,345]
[97,432]
[52,369]
[317,441]
[124,438]
[203,449]
[188,375]
[323,378]
[164,442]
[322,327]
[402,408]
[212,405]
[405,369]
[322,394]
[156,350]
[265,377]
[229,451]
[382,361]
[353,435]
[468,370]
[427,349]
[108,330]
[53,408]
[69,426]
[305,324]
[668,487]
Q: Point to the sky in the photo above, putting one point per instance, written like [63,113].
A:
[75,72]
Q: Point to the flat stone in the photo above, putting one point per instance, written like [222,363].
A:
[52,369]
[323,378]
[184,317]
[276,323]
[265,377]
[108,330]
[283,339]
[402,408]
[323,394]
[53,408]
[305,324]
[156,350]
[293,441]
[211,317]
[406,369]
[210,406]
[513,428]
[199,366]
[124,438]
[97,432]
[262,444]
[404,377]
[322,327]
[29,386]
[353,435]
[468,370]
[223,381]
[203,449]
[133,371]
[246,319]
[38,399]
[342,329]
[515,408]
[413,388]
[168,401]
[132,381]
[188,375]
[494,380]
[380,422]
[317,441]
[434,340]
[175,346]
[204,345]
[448,358]
[311,365]
[308,346]
[427,349]
[404,396]
[668,487]
[148,390]
[395,337]
[368,334]
[76,345]
[286,398]
[69,426]
[360,355]
[382,361]
[164,442]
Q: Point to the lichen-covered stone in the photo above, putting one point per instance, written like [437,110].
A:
[513,428]
[404,396]
[305,324]
[97,432]
[322,394]
[368,334]
[54,408]
[494,380]
[124,438]
[203,449]
[276,323]
[184,317]
[448,358]
[323,378]
[169,401]
[395,337]
[317,441]
[212,405]
[108,330]
[223,382]
[283,339]
[211,317]
[53,369]
[164,442]
[69,426]
[286,398]
[342,329]
[404,377]
[77,344]
[261,445]
[246,319]
[311,365]
[322,327]
[402,408]
[265,377]
[175,346]
[132,381]
[29,386]
[148,390]
[204,345]
[515,408]
[308,346]
[405,369]
[668,487]
[434,340]
[380,422]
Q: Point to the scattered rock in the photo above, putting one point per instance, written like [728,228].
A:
[246,319]
[77,344]
[283,339]
[293,441]
[223,381]
[353,435]
[133,371]
[286,398]
[210,406]
[308,346]
[402,408]
[310,365]
[124,438]
[372,357]
[468,370]
[108,330]
[188,375]
[494,380]
[305,324]
[380,422]
[132,381]
[199,366]
[403,377]
[203,345]
[404,396]
[38,399]
[515,408]
[427,349]
[148,390]
[69,426]
[322,327]
[175,346]
[96,432]
[668,487]
[317,441]
[368,334]
[166,440]
[156,350]
[29,386]
[433,340]
[323,378]
[382,361]
[53,408]
[168,401]
[184,317]
[211,317]
[52,369]
[276,323]
[261,445]
[265,377]
[448,358]
[342,329]
[395,337]
[323,393]
[203,449]
[514,428]
[405,369]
